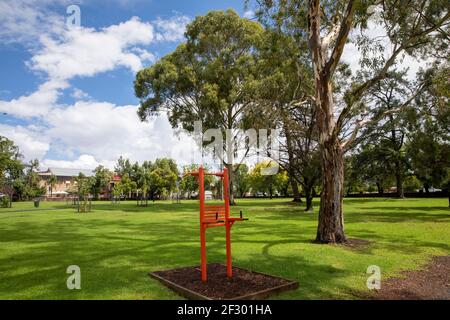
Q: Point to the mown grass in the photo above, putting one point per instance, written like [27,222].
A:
[117,245]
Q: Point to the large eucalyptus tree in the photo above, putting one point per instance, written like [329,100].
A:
[209,78]
[418,28]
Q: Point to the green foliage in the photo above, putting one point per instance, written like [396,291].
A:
[162,178]
[11,168]
[4,201]
[261,179]
[207,76]
[83,187]
[123,166]
[429,155]
[210,78]
[32,188]
[189,184]
[100,180]
[242,179]
[52,181]
[374,166]
[117,190]
[155,180]
[126,185]
[412,184]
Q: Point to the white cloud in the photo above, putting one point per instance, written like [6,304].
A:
[171,29]
[86,133]
[84,161]
[144,55]
[24,21]
[107,131]
[249,14]
[85,51]
[36,104]
[79,94]
[31,142]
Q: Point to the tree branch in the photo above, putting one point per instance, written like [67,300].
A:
[344,30]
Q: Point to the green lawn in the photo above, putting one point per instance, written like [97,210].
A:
[116,245]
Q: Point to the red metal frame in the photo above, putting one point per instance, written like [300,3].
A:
[214,216]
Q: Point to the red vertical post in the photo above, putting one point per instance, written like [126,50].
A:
[226,197]
[201,197]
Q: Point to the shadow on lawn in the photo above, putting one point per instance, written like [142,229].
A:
[152,207]
[116,257]
[116,254]
[399,214]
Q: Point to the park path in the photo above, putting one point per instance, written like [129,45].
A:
[430,283]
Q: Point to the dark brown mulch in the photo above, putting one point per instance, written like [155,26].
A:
[218,286]
[431,283]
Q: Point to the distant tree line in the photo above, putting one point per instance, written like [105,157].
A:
[17,179]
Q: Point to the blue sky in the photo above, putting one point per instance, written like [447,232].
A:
[66,95]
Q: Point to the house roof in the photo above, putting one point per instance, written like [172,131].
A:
[65,172]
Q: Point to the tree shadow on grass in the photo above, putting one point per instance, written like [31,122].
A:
[392,215]
[315,279]
[115,253]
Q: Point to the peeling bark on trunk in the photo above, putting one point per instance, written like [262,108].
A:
[331,219]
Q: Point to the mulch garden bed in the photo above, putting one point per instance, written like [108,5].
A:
[245,284]
[431,283]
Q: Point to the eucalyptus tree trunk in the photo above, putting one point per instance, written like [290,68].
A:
[331,217]
[331,220]
[230,183]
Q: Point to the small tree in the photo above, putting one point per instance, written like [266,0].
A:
[100,181]
[83,187]
[117,192]
[32,187]
[189,184]
[127,185]
[209,78]
[52,181]
[371,165]
[11,169]
[429,156]
[262,178]
[242,180]
[162,178]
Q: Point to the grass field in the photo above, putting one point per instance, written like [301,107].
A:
[117,245]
